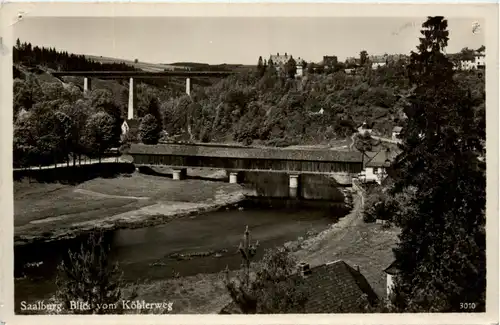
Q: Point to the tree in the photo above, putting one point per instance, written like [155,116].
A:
[154,109]
[46,132]
[25,142]
[103,100]
[260,67]
[291,68]
[363,58]
[272,288]
[481,49]
[363,142]
[78,113]
[98,136]
[88,276]
[26,93]
[441,252]
[149,130]
[64,129]
[467,54]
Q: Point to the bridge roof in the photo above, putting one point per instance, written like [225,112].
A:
[142,74]
[246,153]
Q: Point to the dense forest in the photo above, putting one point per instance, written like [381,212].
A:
[32,56]
[54,120]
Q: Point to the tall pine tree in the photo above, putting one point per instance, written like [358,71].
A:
[441,253]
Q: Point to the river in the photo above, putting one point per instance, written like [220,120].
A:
[159,252]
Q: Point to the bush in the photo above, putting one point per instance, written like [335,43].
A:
[149,130]
[89,277]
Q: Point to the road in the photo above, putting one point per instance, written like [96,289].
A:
[85,162]
[386,139]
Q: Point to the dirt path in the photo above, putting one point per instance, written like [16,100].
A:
[352,140]
[97,194]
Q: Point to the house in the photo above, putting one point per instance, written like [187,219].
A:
[395,132]
[329,61]
[279,61]
[300,67]
[391,271]
[477,61]
[334,287]
[378,60]
[352,61]
[364,128]
[376,164]
[130,124]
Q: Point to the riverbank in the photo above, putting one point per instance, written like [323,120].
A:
[49,212]
[351,239]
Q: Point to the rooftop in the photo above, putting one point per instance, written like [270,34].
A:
[333,287]
[248,153]
[380,159]
[393,268]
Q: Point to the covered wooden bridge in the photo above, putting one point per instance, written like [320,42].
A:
[235,159]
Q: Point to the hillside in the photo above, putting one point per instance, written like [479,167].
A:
[259,107]
[152,67]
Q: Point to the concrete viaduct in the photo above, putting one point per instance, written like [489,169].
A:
[341,165]
[87,75]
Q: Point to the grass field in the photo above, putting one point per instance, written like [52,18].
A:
[44,207]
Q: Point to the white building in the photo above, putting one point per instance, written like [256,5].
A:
[378,60]
[279,61]
[376,164]
[363,128]
[478,62]
[130,124]
[395,132]
[391,271]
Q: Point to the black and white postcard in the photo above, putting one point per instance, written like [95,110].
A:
[308,163]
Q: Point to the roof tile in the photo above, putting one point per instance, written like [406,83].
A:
[332,288]
[248,153]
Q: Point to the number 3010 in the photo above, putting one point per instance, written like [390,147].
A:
[467,305]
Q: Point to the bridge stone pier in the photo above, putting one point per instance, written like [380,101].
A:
[294,185]
[179,174]
[233,177]
[188,86]
[87,85]
[131,99]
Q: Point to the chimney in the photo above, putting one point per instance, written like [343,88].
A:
[356,267]
[304,269]
[278,54]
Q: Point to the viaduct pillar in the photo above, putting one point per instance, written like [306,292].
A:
[188,86]
[131,99]
[294,185]
[86,85]
[179,174]
[233,177]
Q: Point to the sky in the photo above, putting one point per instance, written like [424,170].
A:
[236,40]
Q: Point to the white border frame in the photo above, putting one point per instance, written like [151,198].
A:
[8,19]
